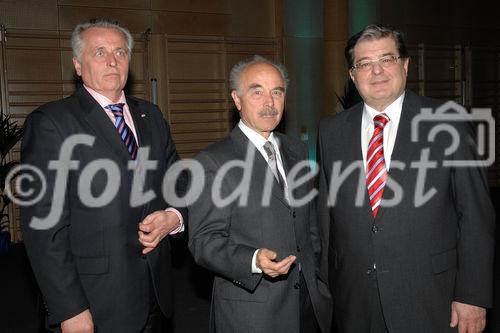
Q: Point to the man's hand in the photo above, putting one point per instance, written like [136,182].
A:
[155,227]
[265,260]
[81,323]
[469,318]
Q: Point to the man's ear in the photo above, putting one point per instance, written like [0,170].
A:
[236,99]
[78,66]
[352,76]
[406,62]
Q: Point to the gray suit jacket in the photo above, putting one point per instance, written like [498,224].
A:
[224,240]
[426,255]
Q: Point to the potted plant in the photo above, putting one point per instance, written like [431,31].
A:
[10,134]
[350,96]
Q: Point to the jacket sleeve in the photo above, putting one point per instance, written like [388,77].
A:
[49,248]
[476,223]
[210,241]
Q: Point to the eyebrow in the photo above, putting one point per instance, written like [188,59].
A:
[383,55]
[255,86]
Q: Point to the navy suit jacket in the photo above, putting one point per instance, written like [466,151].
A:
[90,257]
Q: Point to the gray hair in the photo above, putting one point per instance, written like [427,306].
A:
[77,43]
[235,74]
[375,32]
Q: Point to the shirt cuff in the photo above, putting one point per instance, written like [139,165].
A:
[180,228]
[255,269]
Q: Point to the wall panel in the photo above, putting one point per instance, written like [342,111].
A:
[197,90]
[29,14]
[201,6]
[130,4]
[179,23]
[137,21]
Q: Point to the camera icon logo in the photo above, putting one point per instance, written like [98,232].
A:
[444,117]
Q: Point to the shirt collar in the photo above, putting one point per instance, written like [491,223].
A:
[257,139]
[393,111]
[103,100]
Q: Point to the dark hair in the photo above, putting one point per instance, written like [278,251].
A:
[375,32]
[235,74]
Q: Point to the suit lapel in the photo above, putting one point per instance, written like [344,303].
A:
[354,154]
[289,158]
[353,125]
[141,123]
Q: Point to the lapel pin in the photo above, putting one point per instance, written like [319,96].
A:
[143,115]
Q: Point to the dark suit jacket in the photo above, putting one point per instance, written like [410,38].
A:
[224,240]
[426,256]
[91,257]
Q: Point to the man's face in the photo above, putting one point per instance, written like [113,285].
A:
[379,86]
[261,98]
[104,61]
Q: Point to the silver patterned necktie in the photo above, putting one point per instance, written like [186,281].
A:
[273,165]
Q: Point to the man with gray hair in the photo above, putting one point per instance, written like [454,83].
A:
[261,250]
[103,266]
[415,254]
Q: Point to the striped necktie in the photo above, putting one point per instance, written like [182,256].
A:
[376,175]
[123,130]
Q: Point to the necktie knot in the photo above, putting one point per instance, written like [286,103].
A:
[269,149]
[380,120]
[117,109]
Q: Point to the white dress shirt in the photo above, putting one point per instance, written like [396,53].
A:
[258,141]
[393,111]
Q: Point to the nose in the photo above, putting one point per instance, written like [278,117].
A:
[269,100]
[111,60]
[377,67]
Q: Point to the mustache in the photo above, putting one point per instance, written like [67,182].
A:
[270,111]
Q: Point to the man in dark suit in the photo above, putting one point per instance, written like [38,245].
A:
[96,238]
[246,227]
[409,238]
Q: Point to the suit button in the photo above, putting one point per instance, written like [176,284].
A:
[374,229]
[368,271]
[294,214]
[298,248]
[296,285]
[143,257]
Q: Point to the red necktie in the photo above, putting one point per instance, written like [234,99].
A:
[123,130]
[376,172]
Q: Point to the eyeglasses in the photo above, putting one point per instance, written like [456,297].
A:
[367,65]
